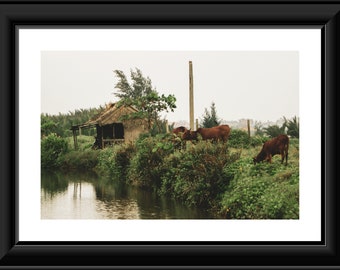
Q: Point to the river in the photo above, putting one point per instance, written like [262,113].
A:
[89,196]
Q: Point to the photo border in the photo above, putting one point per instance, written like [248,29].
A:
[166,14]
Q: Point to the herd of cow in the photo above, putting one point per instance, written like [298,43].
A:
[276,146]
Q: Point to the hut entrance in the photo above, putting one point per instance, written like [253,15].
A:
[118,131]
[112,133]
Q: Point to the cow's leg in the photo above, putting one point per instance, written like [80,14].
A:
[270,158]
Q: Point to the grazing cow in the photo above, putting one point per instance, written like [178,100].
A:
[177,135]
[178,130]
[277,145]
[217,133]
[189,135]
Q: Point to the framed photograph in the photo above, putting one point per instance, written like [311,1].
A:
[81,82]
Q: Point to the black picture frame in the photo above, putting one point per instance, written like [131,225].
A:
[15,254]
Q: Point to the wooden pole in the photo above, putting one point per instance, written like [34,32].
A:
[191,96]
[167,126]
[75,138]
[248,124]
[101,127]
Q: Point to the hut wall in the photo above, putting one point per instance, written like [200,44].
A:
[132,130]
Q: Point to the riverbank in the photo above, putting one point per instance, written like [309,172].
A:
[220,177]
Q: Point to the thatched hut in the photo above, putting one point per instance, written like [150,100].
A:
[111,128]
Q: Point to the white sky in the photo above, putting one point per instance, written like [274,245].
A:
[259,85]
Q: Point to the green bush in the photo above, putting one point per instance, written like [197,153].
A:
[52,148]
[84,142]
[238,139]
[115,161]
[196,175]
[147,164]
[262,191]
[258,140]
[83,160]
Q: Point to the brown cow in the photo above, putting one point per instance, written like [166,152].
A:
[189,135]
[277,145]
[179,129]
[217,133]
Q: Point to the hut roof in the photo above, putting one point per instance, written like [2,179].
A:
[110,115]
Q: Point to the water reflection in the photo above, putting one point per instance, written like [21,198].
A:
[87,196]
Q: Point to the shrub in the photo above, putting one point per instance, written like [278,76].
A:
[147,164]
[87,159]
[115,161]
[262,191]
[52,148]
[196,176]
[258,140]
[239,139]
[84,142]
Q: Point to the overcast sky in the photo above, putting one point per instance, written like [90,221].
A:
[259,85]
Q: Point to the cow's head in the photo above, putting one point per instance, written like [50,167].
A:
[186,135]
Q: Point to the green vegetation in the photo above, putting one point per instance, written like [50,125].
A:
[216,176]
[289,127]
[53,148]
[210,119]
[292,127]
[61,124]
[263,191]
[140,94]
[209,175]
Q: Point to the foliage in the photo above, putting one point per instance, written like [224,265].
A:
[140,86]
[264,190]
[292,127]
[258,140]
[147,164]
[210,119]
[48,126]
[258,128]
[140,94]
[289,127]
[149,107]
[52,148]
[238,138]
[261,198]
[159,127]
[115,161]
[85,159]
[61,124]
[84,142]
[218,176]
[274,130]
[196,176]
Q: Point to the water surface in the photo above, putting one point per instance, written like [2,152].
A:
[87,196]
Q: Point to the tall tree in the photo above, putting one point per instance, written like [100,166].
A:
[144,97]
[275,130]
[140,86]
[292,126]
[210,119]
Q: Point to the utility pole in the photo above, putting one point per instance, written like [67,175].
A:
[191,97]
[248,125]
